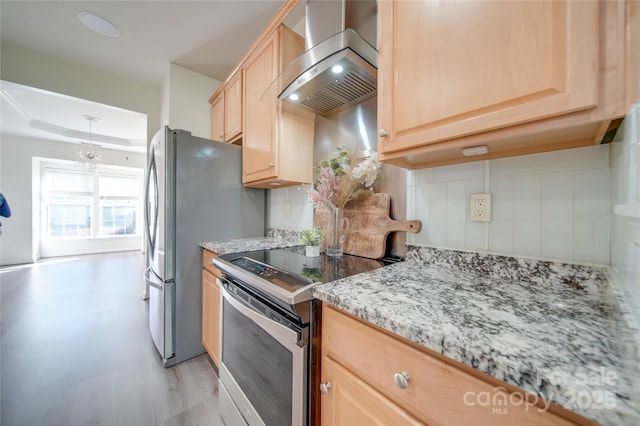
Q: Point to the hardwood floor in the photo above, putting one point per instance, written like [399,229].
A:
[76,350]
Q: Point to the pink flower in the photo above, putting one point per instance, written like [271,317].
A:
[339,182]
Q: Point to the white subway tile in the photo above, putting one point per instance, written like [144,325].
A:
[437,220]
[526,216]
[456,214]
[501,225]
[300,209]
[591,216]
[456,172]
[557,216]
[421,210]
[568,160]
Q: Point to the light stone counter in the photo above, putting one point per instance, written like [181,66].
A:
[569,343]
[276,238]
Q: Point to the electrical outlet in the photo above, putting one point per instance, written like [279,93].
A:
[286,208]
[480,207]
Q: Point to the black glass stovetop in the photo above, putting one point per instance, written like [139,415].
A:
[291,270]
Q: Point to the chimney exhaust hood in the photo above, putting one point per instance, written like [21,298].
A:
[339,68]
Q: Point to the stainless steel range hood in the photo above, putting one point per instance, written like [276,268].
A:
[338,70]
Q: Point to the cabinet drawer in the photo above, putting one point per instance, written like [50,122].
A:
[436,392]
[207,262]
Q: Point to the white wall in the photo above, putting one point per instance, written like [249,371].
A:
[185,100]
[625,208]
[39,70]
[18,243]
[553,205]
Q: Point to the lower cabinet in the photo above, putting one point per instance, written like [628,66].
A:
[351,401]
[210,307]
[368,376]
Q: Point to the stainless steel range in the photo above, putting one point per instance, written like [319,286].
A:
[270,327]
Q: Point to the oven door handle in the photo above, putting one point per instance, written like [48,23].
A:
[287,337]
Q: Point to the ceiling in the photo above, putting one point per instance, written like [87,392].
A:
[209,37]
[40,114]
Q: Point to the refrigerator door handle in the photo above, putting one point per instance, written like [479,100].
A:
[153,280]
[151,207]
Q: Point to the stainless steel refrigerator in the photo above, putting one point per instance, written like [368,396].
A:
[193,193]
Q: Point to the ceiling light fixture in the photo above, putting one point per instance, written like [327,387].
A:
[88,156]
[99,24]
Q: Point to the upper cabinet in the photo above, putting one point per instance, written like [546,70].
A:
[226,110]
[516,77]
[233,108]
[217,117]
[277,146]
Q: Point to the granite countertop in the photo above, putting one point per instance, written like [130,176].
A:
[560,333]
[568,344]
[249,244]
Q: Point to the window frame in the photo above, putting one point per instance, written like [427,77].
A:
[96,225]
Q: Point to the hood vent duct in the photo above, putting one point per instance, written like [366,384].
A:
[340,70]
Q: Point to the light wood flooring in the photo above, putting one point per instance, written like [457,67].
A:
[76,350]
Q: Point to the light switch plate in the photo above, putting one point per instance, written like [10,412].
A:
[480,207]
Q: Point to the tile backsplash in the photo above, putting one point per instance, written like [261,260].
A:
[289,209]
[552,205]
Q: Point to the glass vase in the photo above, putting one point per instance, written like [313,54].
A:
[337,228]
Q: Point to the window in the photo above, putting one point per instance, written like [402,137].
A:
[70,204]
[119,205]
[97,204]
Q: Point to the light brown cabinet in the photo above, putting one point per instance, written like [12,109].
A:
[277,146]
[226,110]
[351,401]
[518,77]
[210,307]
[217,118]
[369,376]
[233,107]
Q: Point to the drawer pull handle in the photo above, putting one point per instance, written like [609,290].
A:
[401,379]
[383,133]
[324,387]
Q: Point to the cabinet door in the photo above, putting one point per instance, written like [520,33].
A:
[258,144]
[211,316]
[233,108]
[453,68]
[350,401]
[217,118]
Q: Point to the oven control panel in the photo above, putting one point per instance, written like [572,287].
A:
[256,268]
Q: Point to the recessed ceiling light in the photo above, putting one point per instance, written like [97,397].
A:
[294,97]
[99,24]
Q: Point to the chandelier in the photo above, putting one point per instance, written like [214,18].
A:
[88,155]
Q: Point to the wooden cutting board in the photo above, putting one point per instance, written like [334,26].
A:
[369,225]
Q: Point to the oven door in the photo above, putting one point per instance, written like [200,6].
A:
[263,368]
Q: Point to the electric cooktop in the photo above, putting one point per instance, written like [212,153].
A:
[288,274]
